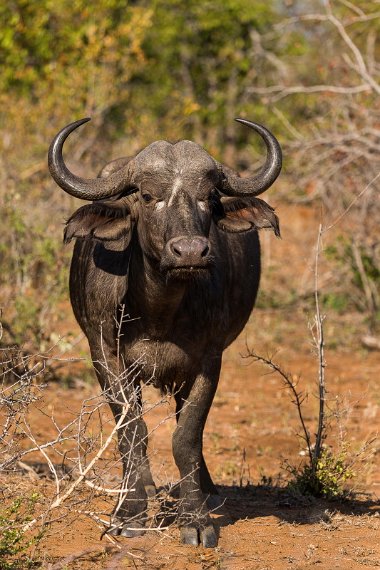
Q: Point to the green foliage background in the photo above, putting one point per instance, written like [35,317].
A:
[145,70]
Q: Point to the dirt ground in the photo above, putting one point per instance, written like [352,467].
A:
[250,436]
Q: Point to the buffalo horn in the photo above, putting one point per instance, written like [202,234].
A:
[86,189]
[233,185]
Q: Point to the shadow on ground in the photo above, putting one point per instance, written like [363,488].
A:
[251,502]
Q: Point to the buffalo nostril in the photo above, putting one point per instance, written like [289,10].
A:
[176,250]
[205,251]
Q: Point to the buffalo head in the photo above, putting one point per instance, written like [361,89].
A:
[174,194]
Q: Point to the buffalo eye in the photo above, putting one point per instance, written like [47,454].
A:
[216,205]
[147,197]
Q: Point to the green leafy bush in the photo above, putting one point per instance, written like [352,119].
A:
[14,542]
[326,479]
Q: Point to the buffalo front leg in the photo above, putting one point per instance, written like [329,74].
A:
[194,520]
[207,484]
[123,392]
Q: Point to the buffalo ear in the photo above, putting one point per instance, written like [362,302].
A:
[242,214]
[105,221]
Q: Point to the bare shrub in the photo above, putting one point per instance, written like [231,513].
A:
[328,103]
[328,467]
[78,460]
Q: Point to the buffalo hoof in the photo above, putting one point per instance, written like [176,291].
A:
[114,529]
[209,537]
[132,530]
[129,530]
[205,536]
[189,535]
[150,490]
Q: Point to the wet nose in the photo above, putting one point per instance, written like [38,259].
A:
[189,250]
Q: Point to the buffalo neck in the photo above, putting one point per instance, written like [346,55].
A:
[155,299]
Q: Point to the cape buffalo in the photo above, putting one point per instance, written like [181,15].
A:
[170,240]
